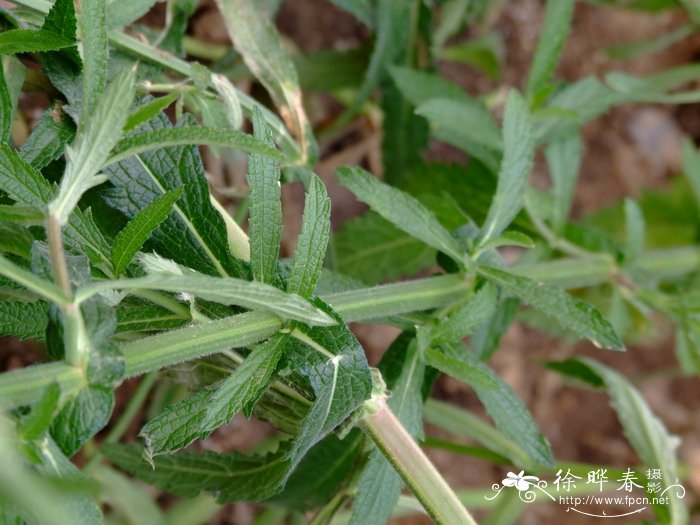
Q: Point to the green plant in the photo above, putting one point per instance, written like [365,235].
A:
[160,276]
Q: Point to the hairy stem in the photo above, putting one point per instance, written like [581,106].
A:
[414,467]
[57,254]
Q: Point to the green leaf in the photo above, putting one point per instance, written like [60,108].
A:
[6,109]
[195,235]
[15,239]
[96,136]
[18,214]
[507,410]
[312,241]
[23,320]
[41,287]
[147,111]
[402,210]
[141,142]
[555,29]
[564,160]
[257,40]
[512,238]
[518,151]
[265,220]
[242,389]
[379,485]
[579,317]
[128,499]
[467,317]
[31,40]
[95,51]
[198,415]
[48,139]
[480,138]
[228,290]
[485,339]
[39,419]
[485,53]
[420,86]
[646,433]
[232,476]
[139,229]
[634,222]
[82,417]
[371,249]
[691,167]
[145,316]
[121,13]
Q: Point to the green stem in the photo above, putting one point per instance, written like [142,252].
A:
[57,254]
[414,467]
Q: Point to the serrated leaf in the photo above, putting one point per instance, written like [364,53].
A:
[94,140]
[242,389]
[518,151]
[370,248]
[146,316]
[15,239]
[571,313]
[379,486]
[148,110]
[265,220]
[31,40]
[232,476]
[646,433]
[257,40]
[195,235]
[467,317]
[229,291]
[23,320]
[6,110]
[402,210]
[92,21]
[48,139]
[507,410]
[484,341]
[555,29]
[564,159]
[140,142]
[25,215]
[82,417]
[139,229]
[480,138]
[312,241]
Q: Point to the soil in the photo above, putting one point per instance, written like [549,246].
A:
[628,149]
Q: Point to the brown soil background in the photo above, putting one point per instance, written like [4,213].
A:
[630,148]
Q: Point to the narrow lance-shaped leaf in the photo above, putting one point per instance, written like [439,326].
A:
[242,389]
[48,139]
[564,160]
[571,313]
[139,229]
[5,108]
[94,140]
[401,209]
[469,316]
[257,40]
[150,109]
[41,287]
[312,241]
[138,143]
[265,222]
[229,290]
[555,29]
[518,151]
[507,410]
[646,433]
[195,234]
[95,51]
[198,415]
[31,40]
